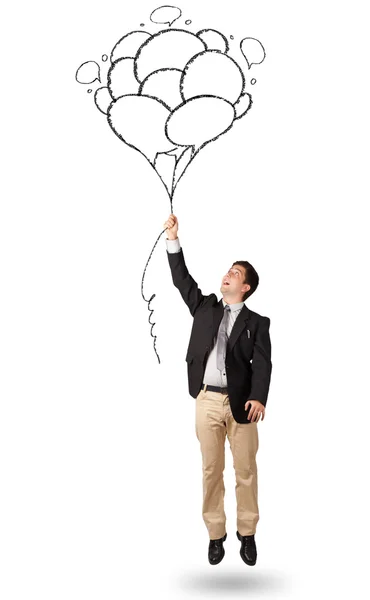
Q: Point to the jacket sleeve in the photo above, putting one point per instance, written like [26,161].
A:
[261,363]
[188,288]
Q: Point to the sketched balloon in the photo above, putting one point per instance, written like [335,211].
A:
[168,49]
[242,105]
[121,78]
[214,40]
[129,44]
[212,72]
[163,84]
[139,121]
[199,120]
[102,99]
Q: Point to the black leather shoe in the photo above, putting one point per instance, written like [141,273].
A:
[248,550]
[216,550]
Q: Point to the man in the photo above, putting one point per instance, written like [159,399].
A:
[229,371]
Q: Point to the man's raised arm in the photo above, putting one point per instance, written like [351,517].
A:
[181,277]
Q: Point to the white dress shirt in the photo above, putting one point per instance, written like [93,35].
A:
[213,375]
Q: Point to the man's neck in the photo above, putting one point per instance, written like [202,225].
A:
[232,301]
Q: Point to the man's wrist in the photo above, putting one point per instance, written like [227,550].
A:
[173,245]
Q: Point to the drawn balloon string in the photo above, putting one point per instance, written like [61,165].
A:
[171,93]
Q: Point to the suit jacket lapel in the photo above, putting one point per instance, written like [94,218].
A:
[239,325]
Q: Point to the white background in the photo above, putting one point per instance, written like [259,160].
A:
[100,466]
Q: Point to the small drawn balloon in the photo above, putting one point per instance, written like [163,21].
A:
[214,40]
[88,72]
[165,14]
[102,99]
[242,105]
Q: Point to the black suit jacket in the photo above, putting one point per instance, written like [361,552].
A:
[248,359]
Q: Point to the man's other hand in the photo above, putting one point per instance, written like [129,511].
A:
[257,410]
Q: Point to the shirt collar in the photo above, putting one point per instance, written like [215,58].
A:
[236,306]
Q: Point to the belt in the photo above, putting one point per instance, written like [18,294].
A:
[214,388]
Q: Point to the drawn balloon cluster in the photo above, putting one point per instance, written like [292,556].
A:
[170,93]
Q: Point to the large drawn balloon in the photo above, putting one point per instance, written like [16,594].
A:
[212,72]
[199,120]
[140,121]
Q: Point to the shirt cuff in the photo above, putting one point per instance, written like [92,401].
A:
[173,245]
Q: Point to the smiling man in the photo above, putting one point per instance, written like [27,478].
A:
[229,372]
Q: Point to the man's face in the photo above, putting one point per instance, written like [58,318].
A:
[232,286]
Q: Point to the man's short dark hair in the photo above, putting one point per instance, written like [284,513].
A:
[251,277]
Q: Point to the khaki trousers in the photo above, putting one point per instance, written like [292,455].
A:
[214,420]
